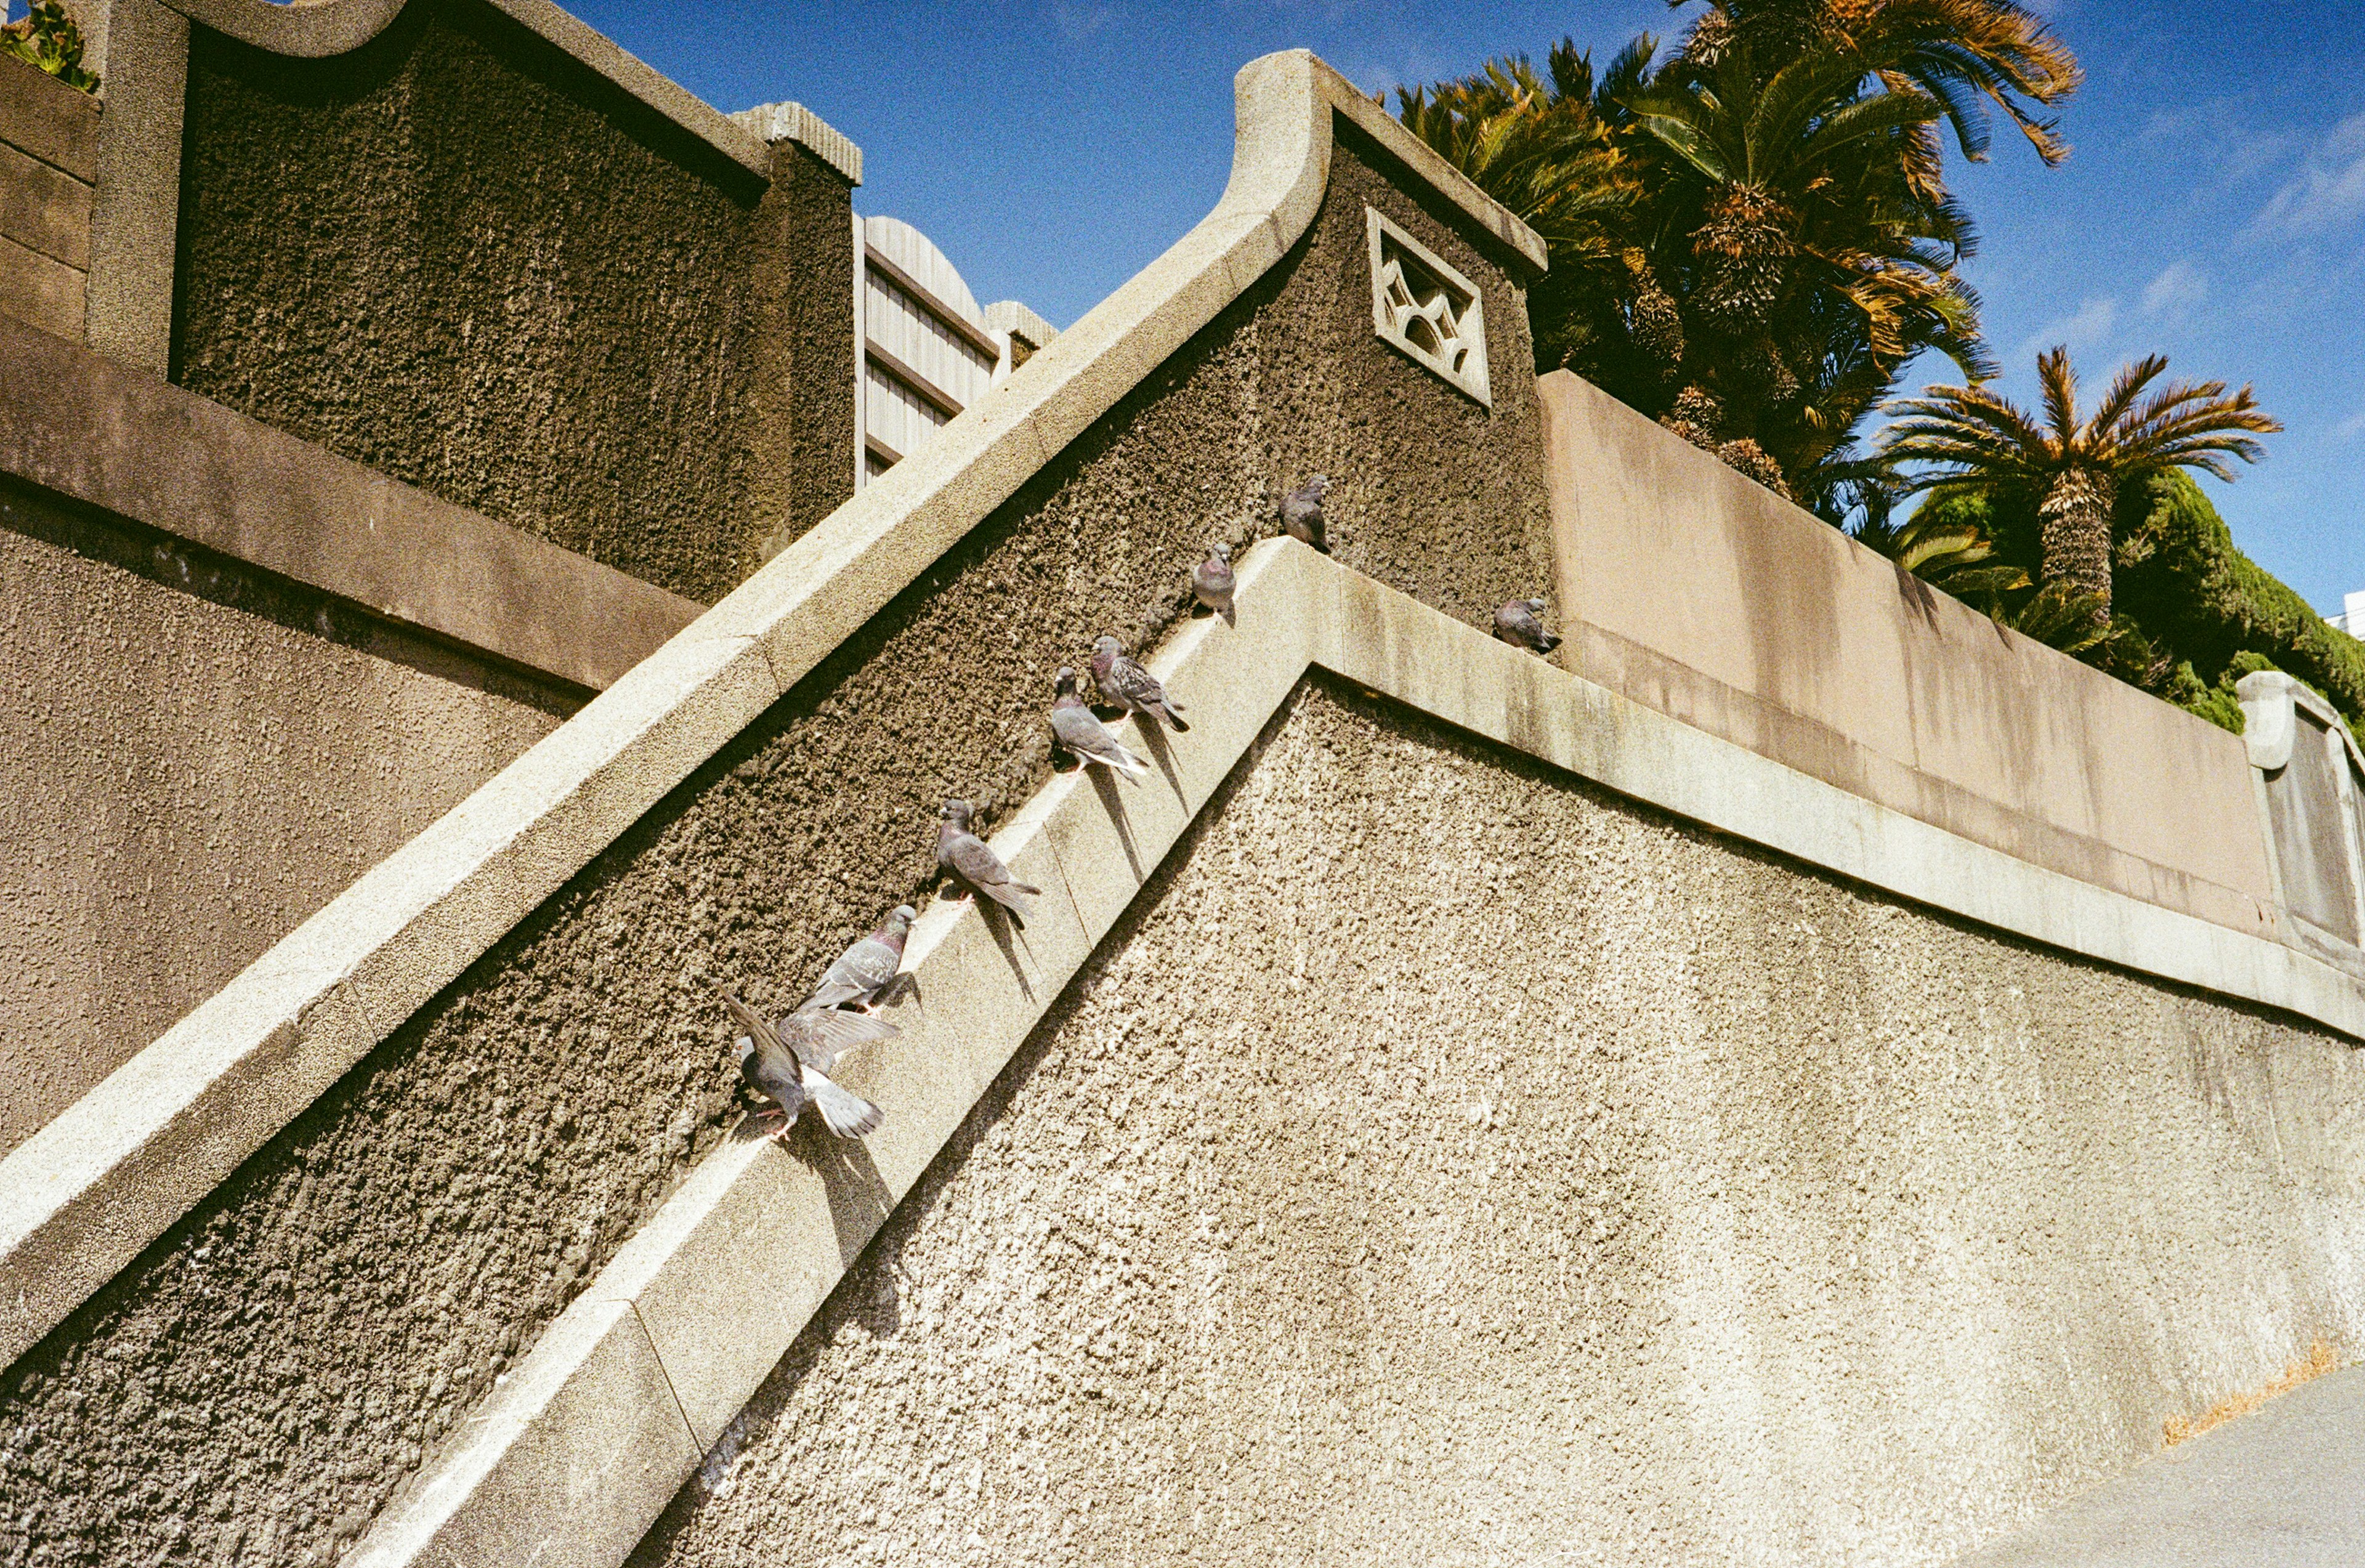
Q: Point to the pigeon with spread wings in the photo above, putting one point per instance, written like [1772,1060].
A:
[790,1063]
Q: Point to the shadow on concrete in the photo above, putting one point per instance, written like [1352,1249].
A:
[1153,740]
[1110,790]
[1007,931]
[860,1200]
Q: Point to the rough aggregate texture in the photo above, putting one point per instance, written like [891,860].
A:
[257,1383]
[459,256]
[199,758]
[1445,1162]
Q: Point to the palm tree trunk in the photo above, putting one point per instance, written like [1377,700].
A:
[2075,537]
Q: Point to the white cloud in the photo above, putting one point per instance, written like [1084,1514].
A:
[2352,426]
[2091,325]
[2328,190]
[2179,286]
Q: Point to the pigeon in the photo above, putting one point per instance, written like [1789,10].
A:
[1089,739]
[1519,623]
[868,967]
[1301,513]
[1212,582]
[790,1064]
[1124,684]
[976,868]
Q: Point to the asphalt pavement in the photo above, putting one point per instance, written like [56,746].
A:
[2282,1487]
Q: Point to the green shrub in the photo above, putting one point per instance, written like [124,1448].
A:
[47,40]
[2192,614]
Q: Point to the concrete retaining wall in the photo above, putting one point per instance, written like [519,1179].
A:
[241,670]
[1705,596]
[401,1224]
[1449,1142]
[478,247]
[1446,1159]
[48,158]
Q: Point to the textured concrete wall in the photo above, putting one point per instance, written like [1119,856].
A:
[1705,596]
[257,1383]
[192,767]
[1445,1162]
[463,258]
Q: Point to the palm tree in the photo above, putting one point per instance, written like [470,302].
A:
[1816,268]
[1972,437]
[1756,282]
[1958,51]
[1545,145]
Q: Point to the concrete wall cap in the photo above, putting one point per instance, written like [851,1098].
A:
[2270,700]
[1010,316]
[79,1200]
[791,121]
[314,29]
[729,1271]
[140,448]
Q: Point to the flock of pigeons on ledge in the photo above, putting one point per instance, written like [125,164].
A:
[788,1061]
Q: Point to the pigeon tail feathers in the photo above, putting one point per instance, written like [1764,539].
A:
[847,1113]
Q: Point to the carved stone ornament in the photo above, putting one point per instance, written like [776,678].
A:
[1427,310]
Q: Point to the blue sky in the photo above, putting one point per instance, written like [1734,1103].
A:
[2212,207]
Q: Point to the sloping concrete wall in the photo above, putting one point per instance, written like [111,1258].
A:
[1707,597]
[460,254]
[442,1203]
[1446,1159]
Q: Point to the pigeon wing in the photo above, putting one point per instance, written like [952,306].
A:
[771,1071]
[982,868]
[819,1036]
[1087,736]
[858,974]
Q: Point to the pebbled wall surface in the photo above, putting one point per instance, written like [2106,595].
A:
[1448,1162]
[260,1381]
[199,757]
[461,257]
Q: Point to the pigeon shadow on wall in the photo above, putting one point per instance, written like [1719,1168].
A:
[1104,784]
[860,1200]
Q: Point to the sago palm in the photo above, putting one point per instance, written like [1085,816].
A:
[1540,143]
[1973,437]
[1958,51]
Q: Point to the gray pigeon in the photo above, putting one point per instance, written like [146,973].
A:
[868,967]
[1124,684]
[1520,624]
[790,1064]
[1212,583]
[976,868]
[1085,735]
[1301,513]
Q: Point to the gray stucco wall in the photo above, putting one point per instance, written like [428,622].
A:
[259,1382]
[197,757]
[1445,1162]
[463,258]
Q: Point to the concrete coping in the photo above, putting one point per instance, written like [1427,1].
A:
[313,29]
[2270,720]
[140,448]
[1010,316]
[794,122]
[82,1197]
[44,119]
[645,1371]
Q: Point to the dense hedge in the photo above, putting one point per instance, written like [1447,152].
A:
[2193,614]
